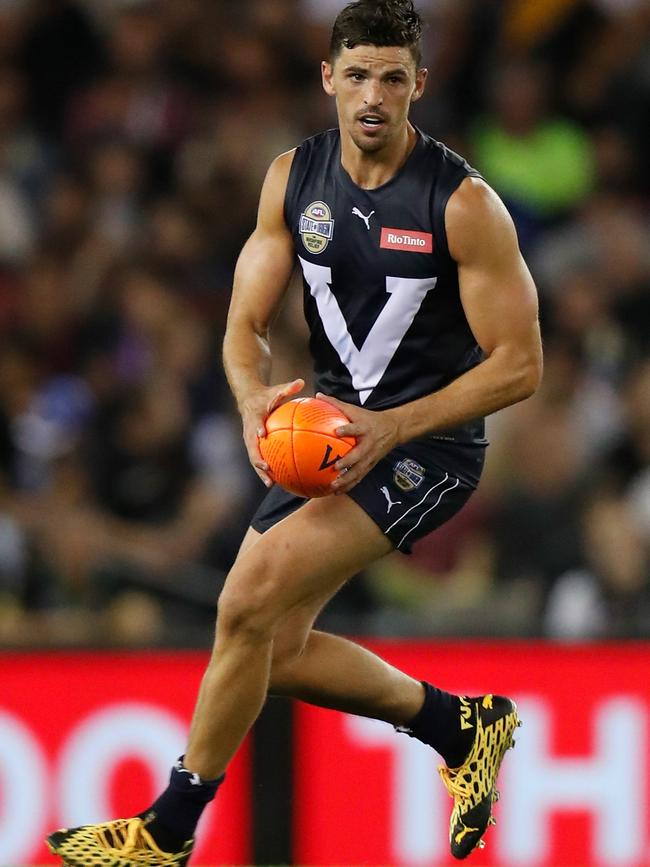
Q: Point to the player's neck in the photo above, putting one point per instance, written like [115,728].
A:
[372,170]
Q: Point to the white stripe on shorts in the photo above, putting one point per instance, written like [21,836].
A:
[419,503]
[435,506]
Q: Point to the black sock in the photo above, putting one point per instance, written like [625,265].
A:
[437,724]
[173,817]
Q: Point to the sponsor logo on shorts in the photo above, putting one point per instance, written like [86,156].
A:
[406,239]
[408,475]
[316,227]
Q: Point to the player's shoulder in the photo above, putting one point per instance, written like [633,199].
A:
[270,213]
[474,201]
[475,216]
[281,165]
[277,177]
[473,193]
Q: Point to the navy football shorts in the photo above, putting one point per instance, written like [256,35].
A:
[411,491]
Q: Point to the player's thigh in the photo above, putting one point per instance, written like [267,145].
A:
[251,536]
[300,562]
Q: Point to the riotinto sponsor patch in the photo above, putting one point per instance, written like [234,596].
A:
[406,239]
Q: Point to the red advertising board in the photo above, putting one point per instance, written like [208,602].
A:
[87,737]
[574,793]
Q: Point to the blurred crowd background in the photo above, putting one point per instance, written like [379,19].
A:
[134,137]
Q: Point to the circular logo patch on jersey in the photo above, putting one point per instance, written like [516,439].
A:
[316,227]
[408,475]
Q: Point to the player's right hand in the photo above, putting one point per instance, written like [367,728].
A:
[255,409]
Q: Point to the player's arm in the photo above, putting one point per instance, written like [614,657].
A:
[261,278]
[500,303]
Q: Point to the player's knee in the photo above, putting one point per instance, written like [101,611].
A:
[242,614]
[248,608]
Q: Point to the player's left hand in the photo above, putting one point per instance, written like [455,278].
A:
[376,434]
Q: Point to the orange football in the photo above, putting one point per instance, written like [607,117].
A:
[301,446]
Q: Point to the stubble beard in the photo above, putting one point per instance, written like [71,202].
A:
[368,144]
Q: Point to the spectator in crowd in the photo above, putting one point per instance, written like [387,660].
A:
[608,596]
[541,165]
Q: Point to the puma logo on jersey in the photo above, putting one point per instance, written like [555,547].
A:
[406,239]
[357,213]
[390,502]
[465,714]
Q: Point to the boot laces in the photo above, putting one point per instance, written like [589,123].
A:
[128,837]
[455,783]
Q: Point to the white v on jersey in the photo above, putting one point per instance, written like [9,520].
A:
[368,363]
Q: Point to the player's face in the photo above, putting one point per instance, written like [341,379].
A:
[374,87]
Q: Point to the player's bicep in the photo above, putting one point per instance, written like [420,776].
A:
[262,274]
[266,261]
[497,291]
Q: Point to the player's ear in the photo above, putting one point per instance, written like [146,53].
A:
[420,81]
[327,74]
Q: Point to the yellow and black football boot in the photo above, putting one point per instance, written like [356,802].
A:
[121,843]
[473,784]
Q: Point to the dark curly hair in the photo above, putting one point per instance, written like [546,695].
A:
[377,22]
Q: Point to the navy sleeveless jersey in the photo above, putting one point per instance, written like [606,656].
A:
[380,288]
